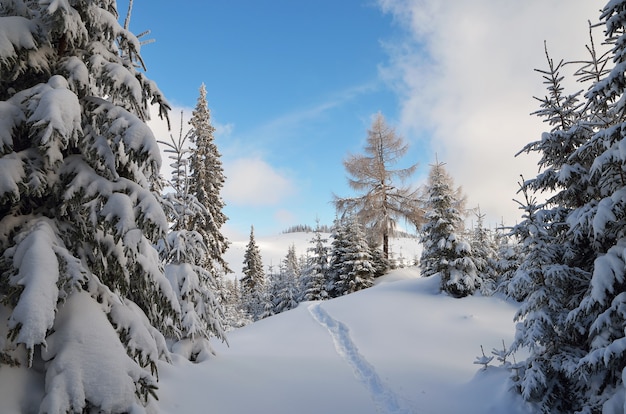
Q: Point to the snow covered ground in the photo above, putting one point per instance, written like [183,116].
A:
[398,347]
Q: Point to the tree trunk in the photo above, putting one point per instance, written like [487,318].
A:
[386,245]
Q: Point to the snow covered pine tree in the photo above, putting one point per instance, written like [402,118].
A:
[351,267]
[316,269]
[81,287]
[206,182]
[284,285]
[253,281]
[484,255]
[445,253]
[186,256]
[575,312]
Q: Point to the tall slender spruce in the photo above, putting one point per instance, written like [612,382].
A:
[206,182]
[185,254]
[253,281]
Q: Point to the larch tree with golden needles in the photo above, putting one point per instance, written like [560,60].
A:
[383,196]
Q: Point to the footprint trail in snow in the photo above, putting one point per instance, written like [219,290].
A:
[384,397]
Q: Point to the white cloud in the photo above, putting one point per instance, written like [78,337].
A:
[465,72]
[253,182]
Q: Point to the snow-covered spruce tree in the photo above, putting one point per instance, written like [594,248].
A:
[509,257]
[563,175]
[284,285]
[445,253]
[334,282]
[206,182]
[601,224]
[185,254]
[266,296]
[253,281]
[379,262]
[234,315]
[351,267]
[546,377]
[81,286]
[570,316]
[316,270]
[484,255]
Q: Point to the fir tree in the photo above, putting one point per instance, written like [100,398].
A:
[316,270]
[185,254]
[484,255]
[81,282]
[509,257]
[351,267]
[284,285]
[380,263]
[335,286]
[234,315]
[445,253]
[253,281]
[266,297]
[571,319]
[601,220]
[546,376]
[206,182]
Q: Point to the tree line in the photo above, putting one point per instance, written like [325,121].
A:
[346,262]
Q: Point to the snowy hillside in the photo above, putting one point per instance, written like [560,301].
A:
[398,347]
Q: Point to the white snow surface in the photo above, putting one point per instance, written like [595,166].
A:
[398,347]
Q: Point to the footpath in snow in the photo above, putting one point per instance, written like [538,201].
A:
[383,396]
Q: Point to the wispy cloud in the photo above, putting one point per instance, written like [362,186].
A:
[286,124]
[465,72]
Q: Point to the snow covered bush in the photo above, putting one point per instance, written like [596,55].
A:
[81,285]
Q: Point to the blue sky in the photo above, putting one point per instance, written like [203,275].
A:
[292,86]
